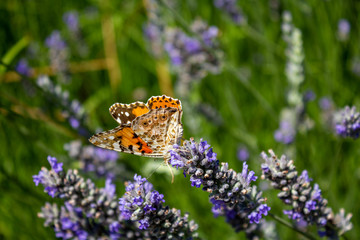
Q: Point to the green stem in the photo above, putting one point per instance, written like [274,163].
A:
[287,224]
[13,52]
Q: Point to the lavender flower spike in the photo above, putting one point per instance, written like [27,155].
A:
[231,193]
[88,212]
[142,204]
[307,203]
[349,125]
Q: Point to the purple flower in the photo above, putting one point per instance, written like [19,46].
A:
[114,227]
[203,145]
[74,123]
[51,191]
[255,216]
[109,188]
[285,133]
[139,180]
[175,160]
[138,201]
[23,68]
[149,208]
[71,19]
[210,34]
[82,234]
[309,95]
[57,167]
[151,31]
[156,197]
[230,8]
[325,103]
[305,177]
[195,182]
[243,154]
[144,224]
[211,156]
[343,29]
[55,41]
[38,178]
[192,45]
[349,124]
[311,205]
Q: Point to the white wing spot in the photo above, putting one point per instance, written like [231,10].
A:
[118,120]
[127,114]
[122,112]
[111,137]
[116,145]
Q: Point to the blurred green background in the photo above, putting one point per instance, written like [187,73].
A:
[117,67]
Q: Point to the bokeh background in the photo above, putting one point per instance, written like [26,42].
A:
[96,53]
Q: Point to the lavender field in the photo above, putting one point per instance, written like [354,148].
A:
[228,119]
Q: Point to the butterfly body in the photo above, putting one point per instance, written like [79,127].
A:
[145,129]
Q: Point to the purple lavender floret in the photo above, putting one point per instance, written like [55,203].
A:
[307,203]
[230,8]
[286,132]
[23,68]
[144,205]
[243,153]
[344,28]
[349,124]
[231,193]
[55,41]
[71,19]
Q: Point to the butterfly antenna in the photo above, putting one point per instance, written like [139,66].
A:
[172,173]
[153,171]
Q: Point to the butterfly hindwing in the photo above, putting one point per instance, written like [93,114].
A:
[125,113]
[158,128]
[163,102]
[121,139]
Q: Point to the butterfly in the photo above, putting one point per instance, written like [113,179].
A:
[145,129]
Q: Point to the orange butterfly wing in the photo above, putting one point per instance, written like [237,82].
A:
[163,102]
[121,139]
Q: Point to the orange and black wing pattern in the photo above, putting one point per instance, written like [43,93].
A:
[163,102]
[121,139]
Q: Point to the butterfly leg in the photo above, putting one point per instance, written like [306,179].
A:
[166,160]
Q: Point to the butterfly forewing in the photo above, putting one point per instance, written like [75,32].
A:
[163,102]
[125,113]
[121,139]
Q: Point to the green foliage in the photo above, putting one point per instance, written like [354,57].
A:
[248,95]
